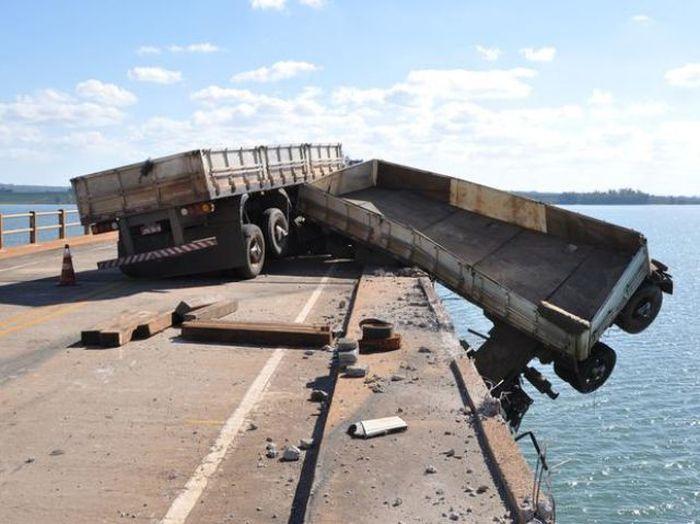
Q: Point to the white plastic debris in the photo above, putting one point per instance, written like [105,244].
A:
[356,371]
[377,427]
[291,453]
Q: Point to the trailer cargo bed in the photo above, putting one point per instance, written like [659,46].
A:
[558,276]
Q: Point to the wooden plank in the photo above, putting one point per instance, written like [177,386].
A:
[216,310]
[275,334]
[187,306]
[91,337]
[156,324]
[121,331]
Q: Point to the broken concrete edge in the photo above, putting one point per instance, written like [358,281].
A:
[508,466]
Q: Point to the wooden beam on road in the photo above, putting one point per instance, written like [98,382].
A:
[258,333]
[212,311]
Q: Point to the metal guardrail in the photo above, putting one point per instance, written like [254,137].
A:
[33,227]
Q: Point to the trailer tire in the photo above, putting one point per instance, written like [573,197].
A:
[254,245]
[591,373]
[641,309]
[276,232]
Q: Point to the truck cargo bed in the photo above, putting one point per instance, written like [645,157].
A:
[535,265]
[558,276]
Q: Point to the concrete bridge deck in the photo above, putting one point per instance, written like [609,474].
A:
[173,431]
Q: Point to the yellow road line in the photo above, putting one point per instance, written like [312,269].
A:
[53,311]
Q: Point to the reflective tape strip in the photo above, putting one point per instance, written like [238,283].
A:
[158,254]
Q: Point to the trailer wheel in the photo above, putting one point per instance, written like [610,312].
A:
[641,309]
[254,243]
[592,372]
[276,232]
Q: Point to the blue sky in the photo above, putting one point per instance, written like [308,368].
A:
[517,94]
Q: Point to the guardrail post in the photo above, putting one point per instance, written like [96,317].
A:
[86,229]
[32,227]
[1,230]
[61,223]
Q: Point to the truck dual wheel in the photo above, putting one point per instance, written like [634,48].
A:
[254,244]
[590,373]
[641,309]
[276,229]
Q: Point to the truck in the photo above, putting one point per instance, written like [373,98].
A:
[205,210]
[552,281]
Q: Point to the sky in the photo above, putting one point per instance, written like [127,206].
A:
[516,94]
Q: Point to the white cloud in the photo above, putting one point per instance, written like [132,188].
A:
[148,50]
[482,125]
[276,72]
[204,47]
[277,5]
[543,54]
[490,54]
[642,19]
[108,94]
[50,106]
[316,4]
[600,98]
[156,75]
[686,76]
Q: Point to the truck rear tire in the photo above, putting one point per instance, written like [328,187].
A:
[254,245]
[276,232]
[592,373]
[641,309]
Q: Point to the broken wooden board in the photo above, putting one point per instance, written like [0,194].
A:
[121,331]
[154,325]
[212,311]
[187,306]
[91,337]
[258,333]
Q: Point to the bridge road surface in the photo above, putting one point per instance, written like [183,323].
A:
[158,430]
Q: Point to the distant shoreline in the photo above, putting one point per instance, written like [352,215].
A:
[619,197]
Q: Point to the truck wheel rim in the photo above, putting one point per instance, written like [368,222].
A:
[255,251]
[280,233]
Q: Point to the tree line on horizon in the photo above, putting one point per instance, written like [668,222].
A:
[624,196]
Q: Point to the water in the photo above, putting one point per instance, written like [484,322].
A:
[20,223]
[631,450]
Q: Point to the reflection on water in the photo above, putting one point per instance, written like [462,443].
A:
[632,449]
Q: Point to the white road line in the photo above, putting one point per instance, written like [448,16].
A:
[184,503]
[2,270]
[19,266]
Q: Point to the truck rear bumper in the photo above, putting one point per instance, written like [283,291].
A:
[159,254]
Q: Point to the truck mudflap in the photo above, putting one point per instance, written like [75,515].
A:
[168,252]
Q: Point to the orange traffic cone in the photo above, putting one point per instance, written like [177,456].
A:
[67,272]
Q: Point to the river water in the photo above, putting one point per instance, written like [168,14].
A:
[629,452]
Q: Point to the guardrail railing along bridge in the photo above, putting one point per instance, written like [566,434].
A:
[34,228]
